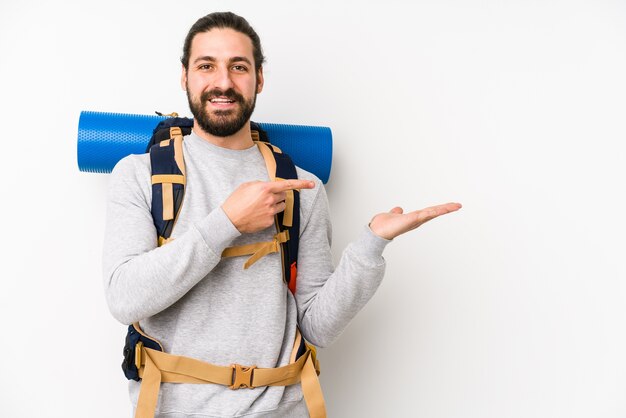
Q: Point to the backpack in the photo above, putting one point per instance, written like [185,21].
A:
[168,190]
[144,356]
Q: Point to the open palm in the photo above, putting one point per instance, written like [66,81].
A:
[390,224]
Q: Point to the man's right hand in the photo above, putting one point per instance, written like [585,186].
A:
[252,206]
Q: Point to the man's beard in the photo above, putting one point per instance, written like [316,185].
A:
[221,122]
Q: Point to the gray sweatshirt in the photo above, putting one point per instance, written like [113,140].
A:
[200,305]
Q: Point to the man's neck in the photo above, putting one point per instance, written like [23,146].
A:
[242,139]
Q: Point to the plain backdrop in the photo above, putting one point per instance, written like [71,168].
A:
[512,307]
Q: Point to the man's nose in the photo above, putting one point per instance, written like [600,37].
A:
[223,79]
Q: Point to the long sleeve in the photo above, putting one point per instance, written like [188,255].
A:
[327,297]
[141,280]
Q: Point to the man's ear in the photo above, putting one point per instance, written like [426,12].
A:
[259,80]
[183,78]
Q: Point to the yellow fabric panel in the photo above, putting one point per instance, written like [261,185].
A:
[168,201]
[168,178]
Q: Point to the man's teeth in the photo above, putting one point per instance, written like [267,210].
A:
[221,101]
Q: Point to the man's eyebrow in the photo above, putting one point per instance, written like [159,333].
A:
[237,59]
[205,58]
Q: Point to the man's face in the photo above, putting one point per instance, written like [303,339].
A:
[221,82]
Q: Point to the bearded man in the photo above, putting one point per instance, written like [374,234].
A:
[201,306]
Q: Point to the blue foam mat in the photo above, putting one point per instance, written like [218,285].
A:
[105,138]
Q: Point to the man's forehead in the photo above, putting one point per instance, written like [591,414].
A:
[221,44]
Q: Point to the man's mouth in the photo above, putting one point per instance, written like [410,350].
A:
[221,100]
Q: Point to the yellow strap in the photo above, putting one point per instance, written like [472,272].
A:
[312,390]
[288,215]
[149,389]
[158,367]
[168,178]
[268,248]
[258,250]
[138,348]
[181,369]
[270,161]
[168,201]
[289,202]
[296,346]
[162,241]
[175,131]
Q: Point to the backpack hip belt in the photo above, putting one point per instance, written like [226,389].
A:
[156,367]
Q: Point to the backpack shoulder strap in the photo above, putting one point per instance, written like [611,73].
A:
[168,182]
[281,167]
[168,190]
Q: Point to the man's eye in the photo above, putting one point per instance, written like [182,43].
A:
[205,67]
[240,68]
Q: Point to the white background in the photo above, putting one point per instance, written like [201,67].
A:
[512,307]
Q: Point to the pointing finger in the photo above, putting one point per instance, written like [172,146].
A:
[284,185]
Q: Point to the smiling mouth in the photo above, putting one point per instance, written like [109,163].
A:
[219,100]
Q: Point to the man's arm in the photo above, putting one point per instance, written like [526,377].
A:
[327,297]
[141,280]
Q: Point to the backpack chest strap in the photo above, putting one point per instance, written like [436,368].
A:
[261,249]
[257,250]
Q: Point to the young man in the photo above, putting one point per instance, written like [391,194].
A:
[203,306]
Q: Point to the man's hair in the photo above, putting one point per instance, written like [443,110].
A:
[223,20]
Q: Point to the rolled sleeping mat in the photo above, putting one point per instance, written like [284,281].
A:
[105,138]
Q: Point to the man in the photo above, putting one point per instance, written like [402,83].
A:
[203,306]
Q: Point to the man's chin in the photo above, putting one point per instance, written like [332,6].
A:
[222,114]
[222,128]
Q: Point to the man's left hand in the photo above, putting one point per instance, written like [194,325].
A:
[395,222]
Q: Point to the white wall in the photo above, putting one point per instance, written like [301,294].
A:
[513,307]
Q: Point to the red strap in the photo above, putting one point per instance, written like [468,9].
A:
[292,278]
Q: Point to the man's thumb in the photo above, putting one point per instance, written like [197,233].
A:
[397,210]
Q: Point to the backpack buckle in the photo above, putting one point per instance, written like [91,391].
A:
[242,376]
